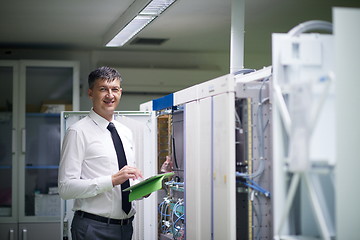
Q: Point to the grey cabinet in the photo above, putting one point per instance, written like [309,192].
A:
[32,94]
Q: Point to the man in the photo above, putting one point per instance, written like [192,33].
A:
[89,169]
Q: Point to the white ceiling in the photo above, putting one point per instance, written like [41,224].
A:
[190,25]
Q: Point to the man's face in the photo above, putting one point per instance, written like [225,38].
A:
[105,97]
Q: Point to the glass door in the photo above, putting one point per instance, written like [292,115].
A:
[8,154]
[47,89]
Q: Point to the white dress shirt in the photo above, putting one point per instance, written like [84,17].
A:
[88,160]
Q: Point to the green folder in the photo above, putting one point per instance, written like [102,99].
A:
[147,186]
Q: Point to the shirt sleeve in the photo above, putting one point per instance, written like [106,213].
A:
[71,186]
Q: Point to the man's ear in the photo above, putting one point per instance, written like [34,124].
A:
[90,93]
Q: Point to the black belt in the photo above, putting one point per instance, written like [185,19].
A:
[104,219]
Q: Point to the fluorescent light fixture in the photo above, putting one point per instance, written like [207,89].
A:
[151,11]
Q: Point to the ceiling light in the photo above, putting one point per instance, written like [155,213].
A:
[151,11]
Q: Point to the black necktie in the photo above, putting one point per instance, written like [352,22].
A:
[126,205]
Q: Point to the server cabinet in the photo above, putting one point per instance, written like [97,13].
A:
[208,164]
[304,132]
[143,126]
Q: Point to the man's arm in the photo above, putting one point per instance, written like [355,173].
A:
[70,184]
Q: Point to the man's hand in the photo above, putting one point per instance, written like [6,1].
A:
[126,173]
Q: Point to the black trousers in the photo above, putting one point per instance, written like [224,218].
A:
[87,229]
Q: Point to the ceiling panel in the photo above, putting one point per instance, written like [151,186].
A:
[189,25]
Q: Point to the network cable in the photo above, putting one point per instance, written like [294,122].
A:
[252,184]
[178,230]
[172,217]
[260,132]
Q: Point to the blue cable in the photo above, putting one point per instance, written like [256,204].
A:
[161,213]
[256,187]
[176,229]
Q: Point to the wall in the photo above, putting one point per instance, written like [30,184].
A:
[140,66]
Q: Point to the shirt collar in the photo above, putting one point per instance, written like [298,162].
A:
[100,121]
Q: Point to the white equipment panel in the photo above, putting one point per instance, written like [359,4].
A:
[304,132]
